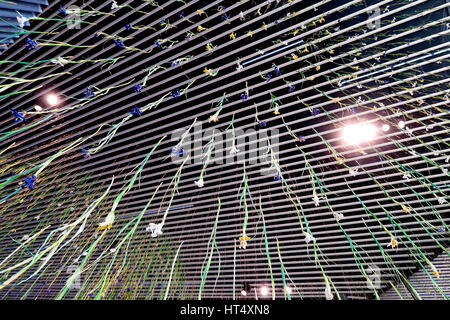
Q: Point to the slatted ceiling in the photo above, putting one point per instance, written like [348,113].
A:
[8,14]
[193,225]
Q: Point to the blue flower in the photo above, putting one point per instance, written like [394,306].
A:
[157,44]
[86,153]
[278,177]
[315,112]
[119,43]
[291,88]
[88,92]
[178,151]
[62,10]
[29,182]
[188,37]
[225,17]
[181,15]
[136,111]
[268,77]
[262,123]
[162,22]
[128,27]
[441,229]
[175,93]
[244,96]
[276,70]
[31,44]
[301,139]
[137,88]
[18,116]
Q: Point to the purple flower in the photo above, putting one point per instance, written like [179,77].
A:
[18,116]
[31,44]
[136,111]
[315,112]
[29,182]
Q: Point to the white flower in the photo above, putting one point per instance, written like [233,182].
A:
[234,150]
[309,237]
[37,108]
[25,237]
[441,200]
[155,229]
[445,171]
[112,250]
[22,20]
[316,200]
[199,183]
[61,61]
[353,171]
[338,216]
[114,5]
[406,176]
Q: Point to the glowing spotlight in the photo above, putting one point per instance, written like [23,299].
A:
[385,127]
[37,108]
[52,99]
[264,291]
[358,133]
[401,124]
[245,289]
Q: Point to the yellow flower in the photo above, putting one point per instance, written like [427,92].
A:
[232,36]
[294,56]
[322,19]
[276,112]
[355,76]
[244,237]
[339,160]
[250,34]
[200,28]
[208,47]
[200,12]
[405,208]
[313,23]
[356,67]
[295,32]
[394,243]
[336,100]
[305,50]
[213,118]
[362,151]
[358,54]
[317,68]
[264,27]
[311,78]
[103,227]
[331,51]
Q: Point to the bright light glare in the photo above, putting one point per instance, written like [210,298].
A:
[52,99]
[401,124]
[385,127]
[288,289]
[264,290]
[244,293]
[37,108]
[358,133]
